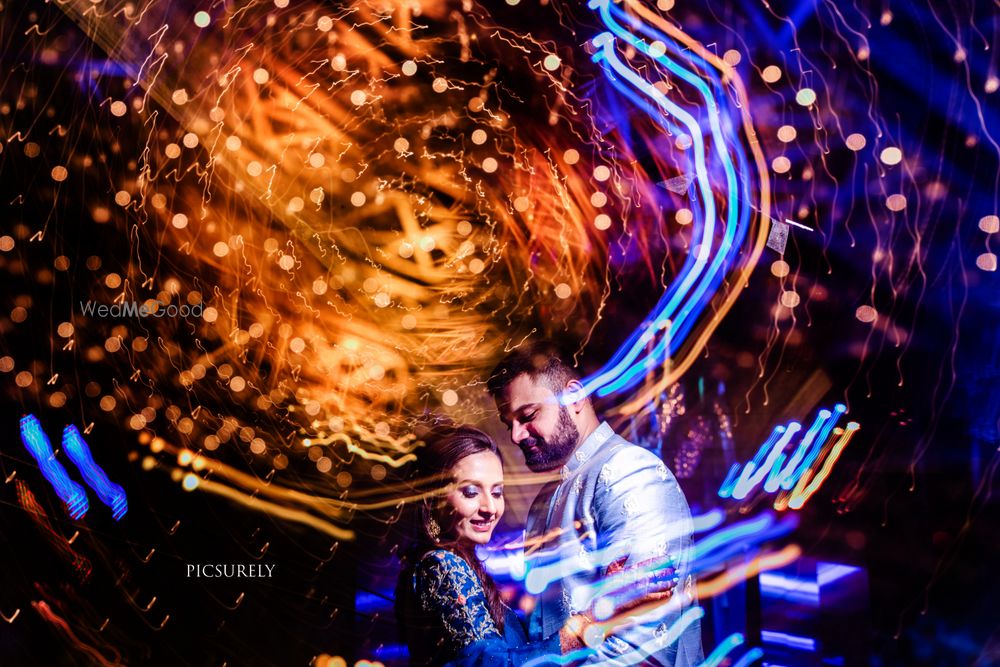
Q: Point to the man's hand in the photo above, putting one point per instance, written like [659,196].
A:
[660,583]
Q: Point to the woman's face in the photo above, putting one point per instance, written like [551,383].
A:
[475,499]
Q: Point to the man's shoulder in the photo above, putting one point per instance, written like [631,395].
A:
[620,453]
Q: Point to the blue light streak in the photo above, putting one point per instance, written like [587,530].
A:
[37,443]
[785,639]
[750,657]
[111,494]
[724,648]
[566,560]
[777,469]
[680,307]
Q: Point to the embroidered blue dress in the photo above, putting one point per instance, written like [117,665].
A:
[447,622]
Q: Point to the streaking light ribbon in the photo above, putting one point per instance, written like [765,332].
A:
[698,281]
[111,494]
[724,648]
[795,476]
[37,443]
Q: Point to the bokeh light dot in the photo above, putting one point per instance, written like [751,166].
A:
[786,133]
[988,223]
[896,202]
[790,299]
[806,97]
[891,156]
[856,141]
[866,314]
[987,261]
[771,73]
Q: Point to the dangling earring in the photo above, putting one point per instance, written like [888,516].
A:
[433,529]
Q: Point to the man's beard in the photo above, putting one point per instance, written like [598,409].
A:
[553,452]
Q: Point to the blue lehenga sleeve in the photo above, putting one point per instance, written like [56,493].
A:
[449,589]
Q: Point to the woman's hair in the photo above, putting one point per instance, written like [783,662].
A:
[445,446]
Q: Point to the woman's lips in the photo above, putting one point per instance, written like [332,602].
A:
[481,526]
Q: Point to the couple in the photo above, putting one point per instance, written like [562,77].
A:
[602,534]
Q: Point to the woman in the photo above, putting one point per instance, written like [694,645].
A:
[447,606]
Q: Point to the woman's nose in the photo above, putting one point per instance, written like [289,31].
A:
[489,506]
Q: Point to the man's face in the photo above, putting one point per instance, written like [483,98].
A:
[538,424]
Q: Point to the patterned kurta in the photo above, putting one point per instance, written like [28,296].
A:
[450,624]
[614,502]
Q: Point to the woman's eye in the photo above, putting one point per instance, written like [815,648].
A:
[470,492]
[498,493]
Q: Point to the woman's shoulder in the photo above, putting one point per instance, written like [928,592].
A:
[440,556]
[441,566]
[442,561]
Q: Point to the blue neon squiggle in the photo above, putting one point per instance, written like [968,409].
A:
[750,657]
[791,475]
[111,494]
[776,469]
[686,299]
[752,476]
[724,648]
[37,443]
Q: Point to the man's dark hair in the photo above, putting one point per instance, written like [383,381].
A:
[543,361]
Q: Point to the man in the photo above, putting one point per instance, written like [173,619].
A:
[614,507]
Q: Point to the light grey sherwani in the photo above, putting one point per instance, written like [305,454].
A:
[614,501]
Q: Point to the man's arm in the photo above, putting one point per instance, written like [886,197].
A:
[642,518]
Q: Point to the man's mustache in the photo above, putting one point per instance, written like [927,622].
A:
[537,443]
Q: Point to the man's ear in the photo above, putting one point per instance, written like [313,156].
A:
[575,397]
